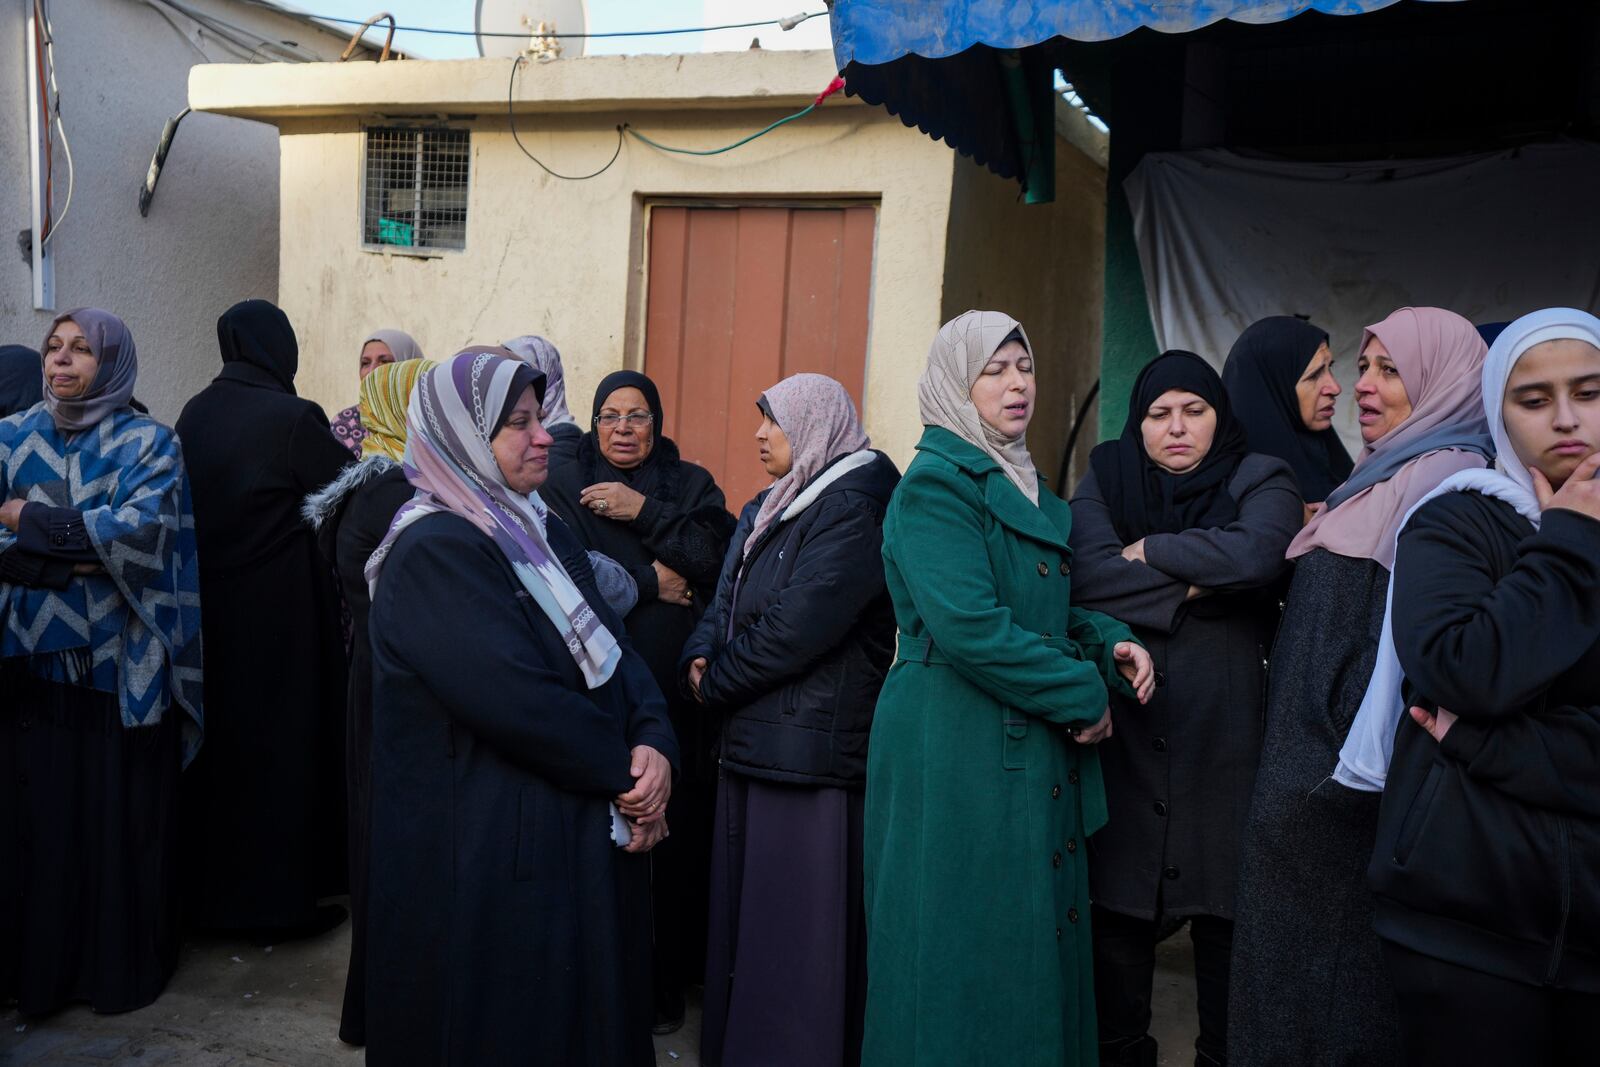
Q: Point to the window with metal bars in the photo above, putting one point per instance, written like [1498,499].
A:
[415,188]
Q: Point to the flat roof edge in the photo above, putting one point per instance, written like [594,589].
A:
[702,81]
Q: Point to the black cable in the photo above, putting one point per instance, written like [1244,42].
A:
[1077,427]
[511,119]
[525,34]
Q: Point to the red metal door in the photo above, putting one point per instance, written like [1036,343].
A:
[741,297]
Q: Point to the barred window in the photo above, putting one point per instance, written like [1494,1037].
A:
[415,188]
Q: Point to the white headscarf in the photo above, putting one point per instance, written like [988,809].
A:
[1369,748]
[964,346]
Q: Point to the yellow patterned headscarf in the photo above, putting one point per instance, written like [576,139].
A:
[385,394]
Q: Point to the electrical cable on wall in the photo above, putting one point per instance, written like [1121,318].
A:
[627,128]
[788,22]
[511,120]
[52,107]
[833,87]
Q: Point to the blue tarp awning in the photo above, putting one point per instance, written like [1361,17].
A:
[881,31]
[970,72]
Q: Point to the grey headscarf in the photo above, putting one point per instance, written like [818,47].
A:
[401,344]
[962,349]
[535,350]
[112,387]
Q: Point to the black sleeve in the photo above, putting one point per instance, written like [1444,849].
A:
[838,572]
[480,661]
[57,533]
[648,720]
[1548,759]
[1247,553]
[707,635]
[21,567]
[315,456]
[691,535]
[1132,592]
[1485,647]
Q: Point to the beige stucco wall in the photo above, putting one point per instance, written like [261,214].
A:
[565,259]
[1044,265]
[212,234]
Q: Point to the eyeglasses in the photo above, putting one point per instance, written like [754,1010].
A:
[640,419]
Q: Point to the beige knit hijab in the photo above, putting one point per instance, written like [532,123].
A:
[944,392]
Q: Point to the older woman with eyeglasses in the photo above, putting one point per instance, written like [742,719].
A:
[628,494]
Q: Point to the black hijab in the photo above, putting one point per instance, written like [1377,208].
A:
[21,379]
[257,333]
[653,477]
[1261,371]
[1145,499]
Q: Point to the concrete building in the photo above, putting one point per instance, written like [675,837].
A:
[839,242]
[211,237]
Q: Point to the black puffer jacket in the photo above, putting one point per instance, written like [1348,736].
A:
[1488,849]
[812,635]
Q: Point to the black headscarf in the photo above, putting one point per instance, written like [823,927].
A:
[1145,499]
[21,379]
[257,333]
[1266,362]
[658,466]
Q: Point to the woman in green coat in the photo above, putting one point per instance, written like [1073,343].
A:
[982,777]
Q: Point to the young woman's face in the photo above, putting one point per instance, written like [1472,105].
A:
[1316,389]
[69,362]
[1381,396]
[374,354]
[1004,391]
[1552,407]
[776,455]
[1178,429]
[522,446]
[625,428]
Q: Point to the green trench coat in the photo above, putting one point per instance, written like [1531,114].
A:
[978,800]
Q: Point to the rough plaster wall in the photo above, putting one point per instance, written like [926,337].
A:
[563,258]
[1043,265]
[211,238]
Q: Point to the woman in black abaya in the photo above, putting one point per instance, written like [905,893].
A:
[265,810]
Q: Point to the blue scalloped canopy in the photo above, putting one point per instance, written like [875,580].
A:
[880,31]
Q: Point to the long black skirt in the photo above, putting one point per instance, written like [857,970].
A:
[88,848]
[786,976]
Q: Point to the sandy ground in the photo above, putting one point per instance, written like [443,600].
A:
[233,1002]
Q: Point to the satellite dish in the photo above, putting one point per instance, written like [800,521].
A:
[532,21]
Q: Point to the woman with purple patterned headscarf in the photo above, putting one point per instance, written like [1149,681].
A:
[522,756]
[792,653]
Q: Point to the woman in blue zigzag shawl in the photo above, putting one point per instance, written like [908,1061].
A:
[99,680]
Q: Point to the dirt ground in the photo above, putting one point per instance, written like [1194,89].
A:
[235,1003]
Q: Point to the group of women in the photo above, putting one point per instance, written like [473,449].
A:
[911,769]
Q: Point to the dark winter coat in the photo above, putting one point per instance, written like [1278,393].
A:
[264,799]
[1488,852]
[1180,770]
[1302,909]
[801,635]
[505,925]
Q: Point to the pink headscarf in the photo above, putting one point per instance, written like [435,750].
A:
[818,417]
[1439,356]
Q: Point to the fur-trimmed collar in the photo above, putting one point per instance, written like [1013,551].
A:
[323,504]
